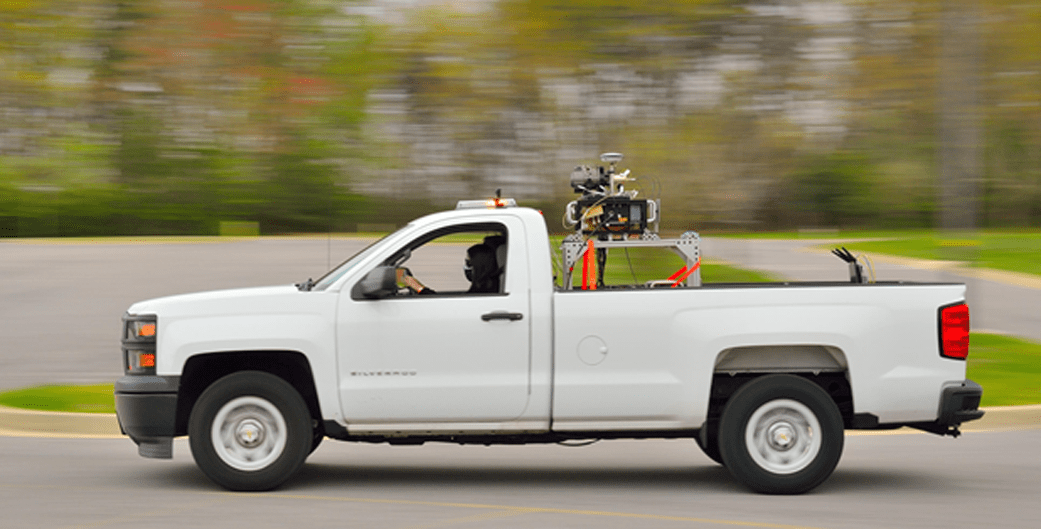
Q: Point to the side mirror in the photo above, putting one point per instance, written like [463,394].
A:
[379,283]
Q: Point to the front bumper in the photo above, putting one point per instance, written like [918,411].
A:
[146,407]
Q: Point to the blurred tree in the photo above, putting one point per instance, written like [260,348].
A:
[148,116]
[546,34]
[960,136]
[838,190]
[252,82]
[1011,92]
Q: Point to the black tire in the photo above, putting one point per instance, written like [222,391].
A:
[250,431]
[781,434]
[708,441]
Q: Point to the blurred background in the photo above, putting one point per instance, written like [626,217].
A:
[180,117]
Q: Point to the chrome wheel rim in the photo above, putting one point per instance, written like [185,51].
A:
[249,433]
[783,436]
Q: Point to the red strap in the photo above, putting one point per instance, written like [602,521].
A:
[589,267]
[683,277]
[678,272]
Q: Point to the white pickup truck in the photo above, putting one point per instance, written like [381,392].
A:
[387,348]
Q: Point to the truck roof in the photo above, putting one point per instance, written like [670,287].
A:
[478,211]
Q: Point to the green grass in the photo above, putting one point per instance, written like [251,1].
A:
[1014,252]
[1008,369]
[660,263]
[635,266]
[620,274]
[723,273]
[95,398]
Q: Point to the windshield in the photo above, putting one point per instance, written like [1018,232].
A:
[336,273]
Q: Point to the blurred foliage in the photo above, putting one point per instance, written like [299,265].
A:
[150,116]
[96,398]
[839,190]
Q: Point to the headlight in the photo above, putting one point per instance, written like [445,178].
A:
[139,344]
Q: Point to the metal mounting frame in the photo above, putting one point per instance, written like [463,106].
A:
[687,246]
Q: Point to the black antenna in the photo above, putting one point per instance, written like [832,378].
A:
[856,271]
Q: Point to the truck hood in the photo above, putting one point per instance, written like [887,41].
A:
[249,319]
[213,301]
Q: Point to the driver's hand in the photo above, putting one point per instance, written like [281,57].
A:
[406,279]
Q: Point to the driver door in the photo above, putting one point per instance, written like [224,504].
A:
[442,360]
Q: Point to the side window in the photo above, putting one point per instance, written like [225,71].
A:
[458,261]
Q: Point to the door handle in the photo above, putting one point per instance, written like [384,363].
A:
[502,315]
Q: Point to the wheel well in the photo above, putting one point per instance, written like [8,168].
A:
[202,370]
[834,383]
[781,359]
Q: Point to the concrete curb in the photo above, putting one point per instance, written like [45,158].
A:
[1002,417]
[19,422]
[28,423]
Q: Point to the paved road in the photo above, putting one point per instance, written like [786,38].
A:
[983,479]
[61,301]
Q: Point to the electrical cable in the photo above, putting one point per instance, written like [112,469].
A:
[870,266]
[630,261]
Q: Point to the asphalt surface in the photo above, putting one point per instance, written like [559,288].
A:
[61,301]
[984,479]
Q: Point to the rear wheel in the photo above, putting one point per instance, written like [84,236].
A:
[250,431]
[781,434]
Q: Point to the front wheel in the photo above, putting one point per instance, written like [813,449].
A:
[781,434]
[250,431]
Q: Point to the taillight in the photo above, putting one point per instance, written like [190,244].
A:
[954,331]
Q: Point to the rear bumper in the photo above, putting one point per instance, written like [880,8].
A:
[146,407]
[959,403]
